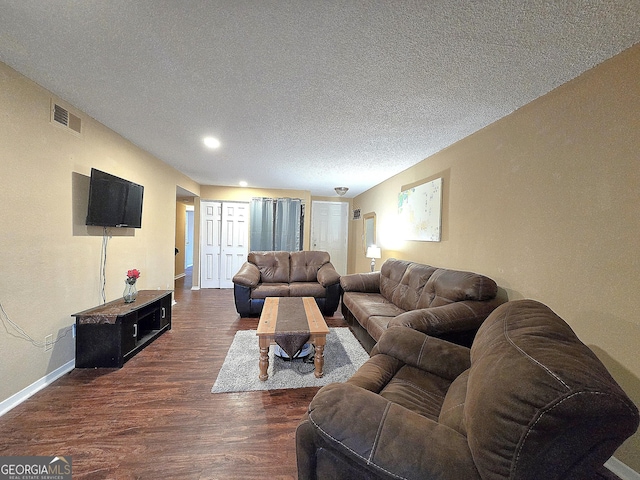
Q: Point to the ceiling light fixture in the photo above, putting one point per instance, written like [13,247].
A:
[341,190]
[211,142]
[243,183]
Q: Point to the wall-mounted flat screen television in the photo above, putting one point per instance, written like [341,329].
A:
[114,201]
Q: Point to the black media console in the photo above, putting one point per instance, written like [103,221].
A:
[109,335]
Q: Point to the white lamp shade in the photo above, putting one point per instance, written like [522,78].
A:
[373,252]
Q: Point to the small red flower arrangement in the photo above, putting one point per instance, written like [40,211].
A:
[132,276]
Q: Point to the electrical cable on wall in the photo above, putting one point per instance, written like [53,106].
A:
[21,334]
[16,331]
[103,265]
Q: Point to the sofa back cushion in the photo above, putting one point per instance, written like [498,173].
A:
[273,266]
[305,265]
[539,403]
[449,286]
[408,291]
[391,275]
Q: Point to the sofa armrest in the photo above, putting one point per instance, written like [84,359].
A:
[248,275]
[361,282]
[327,275]
[431,354]
[455,317]
[386,438]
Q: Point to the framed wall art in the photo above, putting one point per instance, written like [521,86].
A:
[420,210]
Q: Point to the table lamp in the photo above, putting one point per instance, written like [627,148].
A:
[373,252]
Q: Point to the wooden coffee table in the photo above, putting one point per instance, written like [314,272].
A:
[306,315]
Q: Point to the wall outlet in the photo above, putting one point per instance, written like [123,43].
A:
[48,342]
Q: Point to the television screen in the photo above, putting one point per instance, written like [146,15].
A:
[114,201]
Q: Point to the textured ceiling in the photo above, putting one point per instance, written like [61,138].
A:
[306,94]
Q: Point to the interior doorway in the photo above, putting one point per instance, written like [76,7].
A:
[330,231]
[188,238]
[186,245]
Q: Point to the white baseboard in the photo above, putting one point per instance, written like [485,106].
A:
[180,275]
[621,469]
[195,287]
[22,395]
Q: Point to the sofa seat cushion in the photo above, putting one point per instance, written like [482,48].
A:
[418,391]
[265,290]
[365,305]
[376,325]
[307,289]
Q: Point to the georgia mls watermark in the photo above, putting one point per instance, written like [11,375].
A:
[35,468]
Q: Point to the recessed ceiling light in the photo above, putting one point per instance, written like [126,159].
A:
[211,142]
[243,183]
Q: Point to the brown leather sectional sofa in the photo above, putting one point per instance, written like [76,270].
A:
[286,274]
[527,401]
[449,304]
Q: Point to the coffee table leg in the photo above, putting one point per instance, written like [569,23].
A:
[264,358]
[318,359]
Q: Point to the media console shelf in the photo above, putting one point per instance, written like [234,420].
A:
[109,335]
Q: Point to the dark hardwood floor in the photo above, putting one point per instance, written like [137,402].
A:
[156,418]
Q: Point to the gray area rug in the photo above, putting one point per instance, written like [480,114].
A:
[343,355]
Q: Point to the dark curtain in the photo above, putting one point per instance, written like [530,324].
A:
[276,224]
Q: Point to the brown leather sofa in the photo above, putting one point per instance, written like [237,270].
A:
[528,401]
[449,304]
[286,274]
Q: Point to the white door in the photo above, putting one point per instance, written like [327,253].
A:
[224,245]
[210,228]
[330,231]
[235,241]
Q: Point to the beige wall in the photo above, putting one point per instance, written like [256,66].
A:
[50,259]
[546,201]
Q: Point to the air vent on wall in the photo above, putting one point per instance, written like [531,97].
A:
[62,116]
